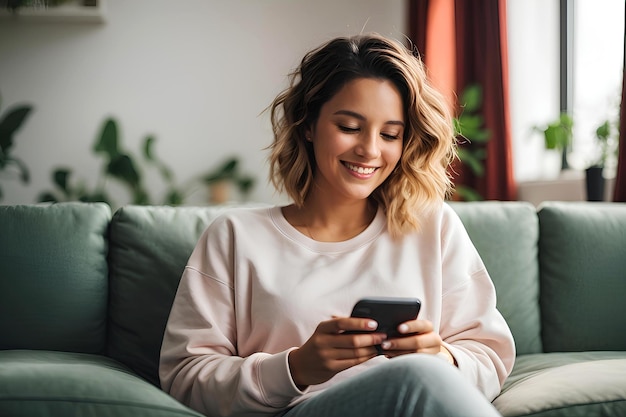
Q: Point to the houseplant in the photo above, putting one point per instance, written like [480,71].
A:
[557,137]
[10,123]
[472,136]
[594,174]
[119,165]
[223,177]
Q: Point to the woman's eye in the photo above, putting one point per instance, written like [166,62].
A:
[348,129]
[388,136]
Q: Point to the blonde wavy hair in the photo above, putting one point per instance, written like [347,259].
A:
[420,181]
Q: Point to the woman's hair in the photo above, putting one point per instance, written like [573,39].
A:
[420,181]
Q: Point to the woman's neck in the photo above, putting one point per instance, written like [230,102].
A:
[331,222]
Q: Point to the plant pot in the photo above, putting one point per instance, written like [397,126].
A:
[219,192]
[595,183]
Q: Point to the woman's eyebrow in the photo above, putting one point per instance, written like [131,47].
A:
[361,117]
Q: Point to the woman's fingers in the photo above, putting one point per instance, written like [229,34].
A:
[420,338]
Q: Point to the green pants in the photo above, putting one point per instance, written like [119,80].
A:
[417,385]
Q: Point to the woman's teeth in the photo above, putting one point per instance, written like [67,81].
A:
[360,170]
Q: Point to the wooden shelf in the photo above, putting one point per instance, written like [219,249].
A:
[69,12]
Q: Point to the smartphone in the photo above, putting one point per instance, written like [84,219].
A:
[389,312]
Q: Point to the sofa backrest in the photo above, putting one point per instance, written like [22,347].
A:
[582,249]
[54,277]
[149,249]
[506,235]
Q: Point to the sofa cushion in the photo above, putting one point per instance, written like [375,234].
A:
[150,247]
[574,384]
[45,383]
[506,234]
[53,276]
[583,276]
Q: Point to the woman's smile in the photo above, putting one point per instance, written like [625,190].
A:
[358,170]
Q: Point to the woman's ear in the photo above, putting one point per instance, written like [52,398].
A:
[308,135]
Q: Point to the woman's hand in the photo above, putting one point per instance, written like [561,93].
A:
[330,350]
[425,341]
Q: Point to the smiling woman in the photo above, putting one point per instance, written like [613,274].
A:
[261,322]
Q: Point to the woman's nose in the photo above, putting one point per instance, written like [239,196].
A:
[368,146]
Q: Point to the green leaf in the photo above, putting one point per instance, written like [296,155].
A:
[46,197]
[472,161]
[95,197]
[603,131]
[472,97]
[467,193]
[472,122]
[148,146]
[174,197]
[60,177]
[140,196]
[481,136]
[148,152]
[10,123]
[108,141]
[245,184]
[122,167]
[225,171]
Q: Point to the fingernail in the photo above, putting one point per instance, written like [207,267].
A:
[403,328]
[372,324]
[385,345]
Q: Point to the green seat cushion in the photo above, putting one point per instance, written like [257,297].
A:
[569,384]
[53,276]
[506,234]
[46,383]
[150,247]
[583,276]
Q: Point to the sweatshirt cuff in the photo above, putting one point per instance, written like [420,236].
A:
[276,381]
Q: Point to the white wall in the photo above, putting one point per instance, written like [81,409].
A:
[195,73]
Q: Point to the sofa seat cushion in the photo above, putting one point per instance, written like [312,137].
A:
[567,384]
[48,383]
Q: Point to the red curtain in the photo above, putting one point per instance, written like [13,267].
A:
[620,179]
[481,58]
[418,16]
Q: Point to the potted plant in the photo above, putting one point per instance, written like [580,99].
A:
[10,122]
[594,174]
[557,137]
[119,165]
[223,177]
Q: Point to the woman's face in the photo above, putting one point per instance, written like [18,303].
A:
[357,139]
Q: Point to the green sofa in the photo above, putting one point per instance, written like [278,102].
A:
[85,294]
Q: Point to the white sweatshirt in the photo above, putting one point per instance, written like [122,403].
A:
[255,288]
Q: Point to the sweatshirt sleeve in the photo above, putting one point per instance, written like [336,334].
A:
[472,328]
[199,363]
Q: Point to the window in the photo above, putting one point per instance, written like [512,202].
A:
[597,60]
